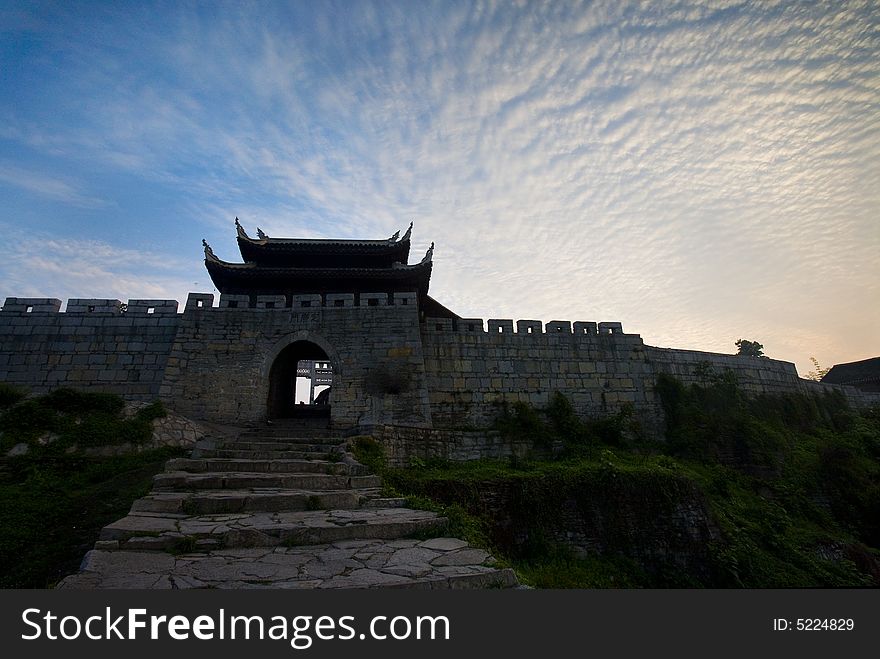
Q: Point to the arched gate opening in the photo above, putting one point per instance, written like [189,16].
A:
[299,382]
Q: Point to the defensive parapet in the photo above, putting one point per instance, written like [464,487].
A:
[33,305]
[317,300]
[389,366]
[95,343]
[42,306]
[523,327]
[473,365]
[38,305]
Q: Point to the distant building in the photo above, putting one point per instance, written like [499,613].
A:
[864,374]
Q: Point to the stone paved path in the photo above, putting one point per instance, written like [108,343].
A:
[282,507]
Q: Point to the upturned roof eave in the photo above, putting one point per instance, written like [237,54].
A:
[392,245]
[251,267]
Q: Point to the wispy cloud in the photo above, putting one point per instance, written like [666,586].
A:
[700,170]
[48,186]
[41,266]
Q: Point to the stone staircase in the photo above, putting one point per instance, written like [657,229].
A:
[284,506]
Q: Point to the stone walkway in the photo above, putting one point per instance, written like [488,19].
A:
[283,507]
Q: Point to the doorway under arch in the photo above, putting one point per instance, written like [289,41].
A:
[303,361]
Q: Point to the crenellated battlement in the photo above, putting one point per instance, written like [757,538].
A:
[38,306]
[523,327]
[314,300]
[106,306]
[229,357]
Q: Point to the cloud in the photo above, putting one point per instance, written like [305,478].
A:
[41,266]
[698,170]
[47,186]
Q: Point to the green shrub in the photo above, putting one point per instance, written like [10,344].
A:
[521,421]
[78,403]
[369,453]
[9,395]
[155,410]
[69,417]
[27,421]
[51,510]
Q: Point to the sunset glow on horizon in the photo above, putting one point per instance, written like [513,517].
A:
[699,171]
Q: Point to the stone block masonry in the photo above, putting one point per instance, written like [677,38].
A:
[219,364]
[97,344]
[599,368]
[214,362]
[470,372]
[390,367]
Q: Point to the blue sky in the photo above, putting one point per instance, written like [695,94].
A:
[700,171]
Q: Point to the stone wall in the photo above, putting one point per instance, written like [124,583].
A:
[402,444]
[213,363]
[656,523]
[169,430]
[218,368]
[470,371]
[754,374]
[473,366]
[97,344]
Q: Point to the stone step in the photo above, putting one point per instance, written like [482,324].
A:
[439,563]
[213,502]
[271,510]
[288,427]
[266,466]
[200,453]
[325,438]
[182,480]
[288,433]
[384,502]
[315,447]
[311,419]
[264,529]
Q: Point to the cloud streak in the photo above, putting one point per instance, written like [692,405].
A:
[701,171]
[47,186]
[42,266]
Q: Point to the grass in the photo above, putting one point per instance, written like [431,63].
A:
[559,567]
[54,500]
[52,510]
[758,492]
[776,491]
[66,419]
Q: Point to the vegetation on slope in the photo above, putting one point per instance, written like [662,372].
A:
[54,499]
[769,491]
[773,491]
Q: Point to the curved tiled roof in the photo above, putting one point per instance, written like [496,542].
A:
[265,248]
[307,273]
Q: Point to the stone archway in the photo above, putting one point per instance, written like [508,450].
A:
[282,375]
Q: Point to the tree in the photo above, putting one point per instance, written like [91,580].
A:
[819,373]
[747,348]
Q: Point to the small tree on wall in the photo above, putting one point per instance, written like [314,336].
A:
[819,373]
[747,348]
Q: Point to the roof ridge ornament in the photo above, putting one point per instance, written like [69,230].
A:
[261,235]
[209,253]
[408,232]
[430,254]
[240,230]
[394,238]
